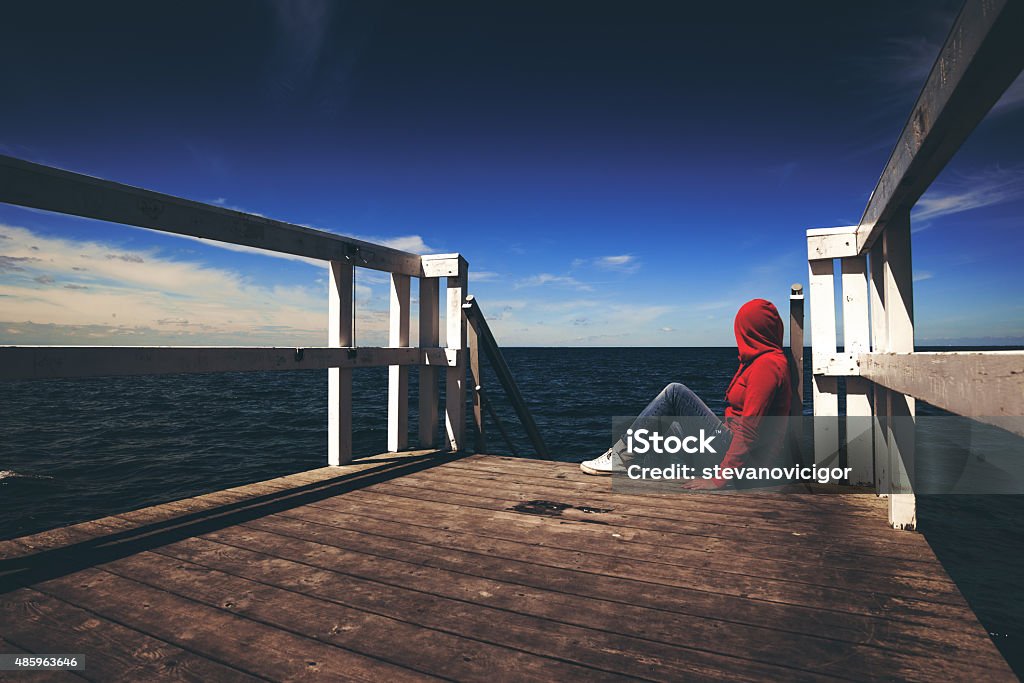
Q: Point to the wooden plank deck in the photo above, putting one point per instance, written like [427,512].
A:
[419,565]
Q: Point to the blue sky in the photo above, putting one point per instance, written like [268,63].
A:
[616,174]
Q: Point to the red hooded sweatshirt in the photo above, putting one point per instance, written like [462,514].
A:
[759,388]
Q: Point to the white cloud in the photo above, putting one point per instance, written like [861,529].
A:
[559,322]
[249,250]
[543,279]
[716,305]
[923,275]
[483,275]
[511,304]
[964,192]
[907,61]
[410,243]
[102,293]
[623,263]
[78,289]
[502,309]
[615,261]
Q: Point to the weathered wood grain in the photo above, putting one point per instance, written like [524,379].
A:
[985,385]
[316,604]
[406,566]
[632,590]
[749,583]
[216,633]
[304,543]
[112,651]
[632,625]
[429,387]
[455,639]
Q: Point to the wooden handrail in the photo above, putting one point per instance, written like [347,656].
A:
[981,57]
[796,348]
[57,362]
[25,183]
[984,385]
[795,433]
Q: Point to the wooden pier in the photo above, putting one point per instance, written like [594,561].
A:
[423,564]
[429,564]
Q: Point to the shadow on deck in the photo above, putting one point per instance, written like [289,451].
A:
[423,565]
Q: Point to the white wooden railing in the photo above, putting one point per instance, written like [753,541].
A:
[42,187]
[884,375]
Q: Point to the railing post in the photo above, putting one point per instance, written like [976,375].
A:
[339,380]
[899,313]
[796,344]
[473,346]
[455,377]
[796,357]
[879,394]
[823,345]
[856,340]
[429,390]
[398,375]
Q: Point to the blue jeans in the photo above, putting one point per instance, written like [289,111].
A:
[678,400]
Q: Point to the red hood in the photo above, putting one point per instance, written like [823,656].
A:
[758,329]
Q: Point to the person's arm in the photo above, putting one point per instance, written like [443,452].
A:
[758,396]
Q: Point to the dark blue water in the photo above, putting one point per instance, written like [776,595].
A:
[73,450]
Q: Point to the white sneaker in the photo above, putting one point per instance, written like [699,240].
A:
[606,463]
